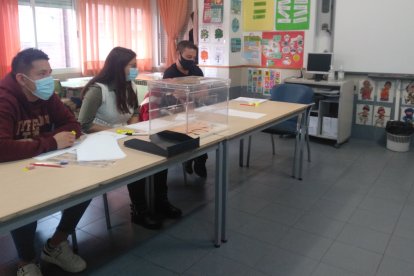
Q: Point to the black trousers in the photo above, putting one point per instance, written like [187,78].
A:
[137,190]
[200,159]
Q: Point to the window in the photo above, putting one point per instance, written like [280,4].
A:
[163,42]
[50,26]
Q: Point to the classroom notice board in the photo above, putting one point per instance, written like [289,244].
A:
[372,36]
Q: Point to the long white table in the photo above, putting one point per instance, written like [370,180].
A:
[30,195]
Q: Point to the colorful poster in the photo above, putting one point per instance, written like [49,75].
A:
[204,57]
[382,115]
[235,25]
[218,34]
[363,114]
[283,49]
[292,15]
[251,48]
[254,81]
[408,93]
[258,15]
[385,91]
[235,45]
[218,58]
[407,114]
[270,79]
[213,11]
[205,34]
[235,6]
[365,91]
[261,81]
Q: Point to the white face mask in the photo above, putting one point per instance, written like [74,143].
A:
[44,87]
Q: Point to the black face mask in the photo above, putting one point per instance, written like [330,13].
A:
[186,63]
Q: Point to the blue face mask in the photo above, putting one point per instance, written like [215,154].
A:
[133,73]
[44,87]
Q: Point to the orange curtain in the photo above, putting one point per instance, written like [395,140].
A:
[10,41]
[173,15]
[105,24]
[195,22]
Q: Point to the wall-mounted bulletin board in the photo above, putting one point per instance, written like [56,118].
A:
[258,15]
[283,49]
[261,80]
[274,40]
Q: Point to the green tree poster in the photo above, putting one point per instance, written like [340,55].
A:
[292,14]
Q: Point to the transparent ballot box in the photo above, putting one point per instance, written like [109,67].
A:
[196,106]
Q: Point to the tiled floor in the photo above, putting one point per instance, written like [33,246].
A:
[353,214]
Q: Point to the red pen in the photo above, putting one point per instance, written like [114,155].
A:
[46,165]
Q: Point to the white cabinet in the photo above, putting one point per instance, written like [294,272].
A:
[332,116]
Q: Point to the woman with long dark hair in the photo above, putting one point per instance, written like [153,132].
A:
[110,100]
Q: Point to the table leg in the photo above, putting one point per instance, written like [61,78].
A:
[299,142]
[241,152]
[225,181]
[218,197]
[106,208]
[149,192]
[302,141]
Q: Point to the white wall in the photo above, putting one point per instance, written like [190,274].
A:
[374,36]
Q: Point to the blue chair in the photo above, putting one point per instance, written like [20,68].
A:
[292,93]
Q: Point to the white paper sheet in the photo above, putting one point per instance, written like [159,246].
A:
[102,146]
[244,114]
[181,117]
[72,149]
[144,126]
[205,108]
[250,100]
[54,153]
[109,133]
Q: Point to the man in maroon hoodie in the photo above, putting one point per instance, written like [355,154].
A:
[33,120]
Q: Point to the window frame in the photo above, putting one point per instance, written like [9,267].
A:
[52,4]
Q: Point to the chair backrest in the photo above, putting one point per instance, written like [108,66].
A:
[58,88]
[292,93]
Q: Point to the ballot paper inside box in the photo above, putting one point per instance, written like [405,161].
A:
[196,106]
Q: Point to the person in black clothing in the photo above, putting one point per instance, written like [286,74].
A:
[185,66]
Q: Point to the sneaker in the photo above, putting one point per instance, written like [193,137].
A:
[63,257]
[29,270]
